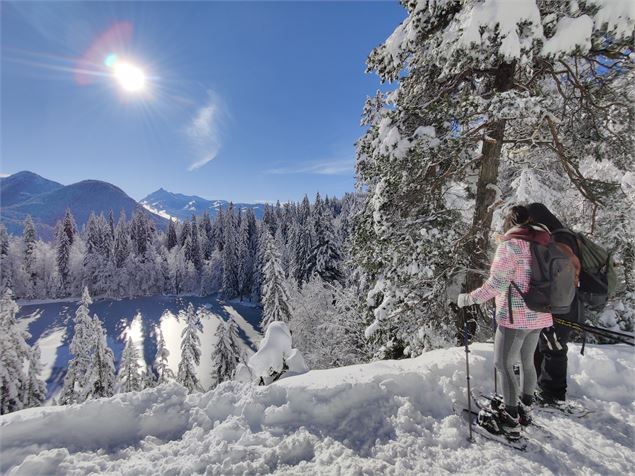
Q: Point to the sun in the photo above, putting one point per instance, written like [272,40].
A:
[131,78]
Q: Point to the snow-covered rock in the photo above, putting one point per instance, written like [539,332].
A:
[387,417]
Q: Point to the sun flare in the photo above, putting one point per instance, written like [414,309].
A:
[130,77]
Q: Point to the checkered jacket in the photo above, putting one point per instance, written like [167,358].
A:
[512,262]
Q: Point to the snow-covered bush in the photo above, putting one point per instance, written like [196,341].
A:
[275,357]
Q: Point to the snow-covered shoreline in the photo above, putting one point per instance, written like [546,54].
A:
[386,417]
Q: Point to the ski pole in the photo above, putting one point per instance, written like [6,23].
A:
[494,327]
[467,370]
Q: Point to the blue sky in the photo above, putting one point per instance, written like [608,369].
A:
[245,101]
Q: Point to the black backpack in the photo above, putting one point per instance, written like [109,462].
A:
[552,284]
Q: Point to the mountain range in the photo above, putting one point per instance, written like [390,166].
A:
[27,193]
[179,206]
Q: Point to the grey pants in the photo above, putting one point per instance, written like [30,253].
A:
[512,346]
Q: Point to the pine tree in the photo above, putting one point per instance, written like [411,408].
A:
[35,388]
[194,251]
[473,90]
[111,225]
[172,240]
[190,351]
[275,296]
[121,248]
[185,232]
[14,352]
[303,243]
[230,256]
[245,260]
[129,376]
[207,237]
[29,240]
[64,239]
[226,354]
[325,257]
[77,384]
[5,271]
[102,379]
[163,371]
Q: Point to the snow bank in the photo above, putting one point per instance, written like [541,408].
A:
[388,417]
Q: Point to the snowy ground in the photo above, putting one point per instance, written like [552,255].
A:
[48,322]
[389,417]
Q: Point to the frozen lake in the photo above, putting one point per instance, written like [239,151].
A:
[49,326]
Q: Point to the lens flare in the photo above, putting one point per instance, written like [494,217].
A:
[130,77]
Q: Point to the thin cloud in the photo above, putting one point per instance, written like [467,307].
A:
[204,131]
[330,167]
[3,175]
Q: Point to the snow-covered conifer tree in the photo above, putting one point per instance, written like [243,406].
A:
[14,352]
[64,237]
[207,238]
[34,392]
[28,241]
[245,261]
[102,379]
[275,295]
[5,268]
[190,350]
[226,354]
[163,371]
[77,385]
[172,240]
[129,377]
[477,81]
[230,255]
[325,256]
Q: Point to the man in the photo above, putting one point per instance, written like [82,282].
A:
[551,354]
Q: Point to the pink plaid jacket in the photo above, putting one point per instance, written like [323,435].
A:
[512,262]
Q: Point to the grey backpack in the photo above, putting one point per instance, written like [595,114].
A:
[552,285]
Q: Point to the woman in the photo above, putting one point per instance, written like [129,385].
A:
[518,331]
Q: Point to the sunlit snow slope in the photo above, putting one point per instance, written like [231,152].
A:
[389,417]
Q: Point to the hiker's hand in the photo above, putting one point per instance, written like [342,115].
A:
[464,300]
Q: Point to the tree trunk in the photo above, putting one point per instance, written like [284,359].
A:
[478,246]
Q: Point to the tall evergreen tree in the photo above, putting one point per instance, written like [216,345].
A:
[195,247]
[163,371]
[28,241]
[230,255]
[477,81]
[190,351]
[226,354]
[122,245]
[5,271]
[172,240]
[325,257]
[64,238]
[129,377]
[35,388]
[102,379]
[275,296]
[207,237]
[77,385]
[245,260]
[14,352]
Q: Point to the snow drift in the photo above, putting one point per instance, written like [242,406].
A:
[387,417]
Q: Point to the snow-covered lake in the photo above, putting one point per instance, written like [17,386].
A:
[48,322]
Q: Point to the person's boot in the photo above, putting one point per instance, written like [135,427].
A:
[509,424]
[525,408]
